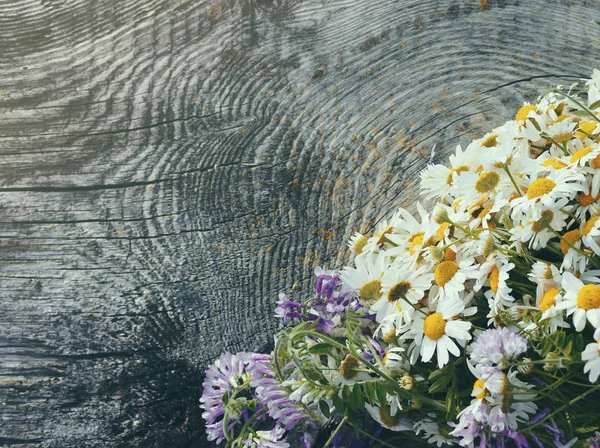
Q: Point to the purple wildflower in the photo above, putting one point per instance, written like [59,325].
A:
[227,375]
[594,441]
[287,309]
[497,346]
[272,394]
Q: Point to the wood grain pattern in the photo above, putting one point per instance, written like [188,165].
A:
[168,167]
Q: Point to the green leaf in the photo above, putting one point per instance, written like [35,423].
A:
[438,372]
[358,399]
[381,394]
[595,105]
[320,349]
[338,403]
[346,393]
[440,384]
[352,417]
[370,392]
[324,407]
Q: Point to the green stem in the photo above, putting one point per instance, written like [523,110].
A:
[334,433]
[512,179]
[566,95]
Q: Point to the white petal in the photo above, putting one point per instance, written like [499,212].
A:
[458,329]
[579,319]
[442,353]
[427,349]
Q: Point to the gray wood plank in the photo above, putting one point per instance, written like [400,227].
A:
[168,167]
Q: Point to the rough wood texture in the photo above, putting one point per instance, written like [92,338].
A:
[168,166]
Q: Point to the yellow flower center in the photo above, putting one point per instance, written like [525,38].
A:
[434,326]
[490,141]
[441,231]
[488,180]
[479,384]
[385,414]
[554,163]
[417,241]
[588,297]
[548,299]
[389,337]
[494,279]
[484,211]
[542,223]
[581,153]
[370,292]
[548,273]
[349,368]
[449,254]
[444,272]
[359,245]
[586,199]
[586,127]
[563,137]
[540,187]
[399,291]
[571,237]
[458,170]
[589,225]
[524,111]
[382,233]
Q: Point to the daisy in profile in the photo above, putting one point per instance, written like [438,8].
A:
[590,233]
[389,417]
[436,331]
[357,243]
[494,274]
[366,277]
[580,300]
[550,313]
[591,354]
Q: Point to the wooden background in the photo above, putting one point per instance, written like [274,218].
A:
[167,167]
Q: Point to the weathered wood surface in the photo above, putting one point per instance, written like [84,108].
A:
[169,166]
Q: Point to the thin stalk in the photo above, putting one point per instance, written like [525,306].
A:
[334,433]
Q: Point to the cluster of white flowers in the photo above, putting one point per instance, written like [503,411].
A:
[511,237]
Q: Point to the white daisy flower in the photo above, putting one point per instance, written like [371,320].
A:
[357,243]
[591,354]
[400,285]
[547,305]
[433,333]
[436,180]
[590,233]
[570,246]
[583,155]
[450,276]
[431,432]
[388,417]
[580,300]
[538,225]
[561,132]
[593,86]
[366,277]
[558,185]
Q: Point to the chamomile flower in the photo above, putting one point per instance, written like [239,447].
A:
[366,277]
[591,354]
[450,275]
[431,432]
[547,304]
[494,274]
[580,300]
[437,180]
[539,225]
[389,417]
[561,132]
[401,287]
[357,243]
[590,233]
[434,332]
[548,191]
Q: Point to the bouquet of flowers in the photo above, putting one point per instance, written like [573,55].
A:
[475,323]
